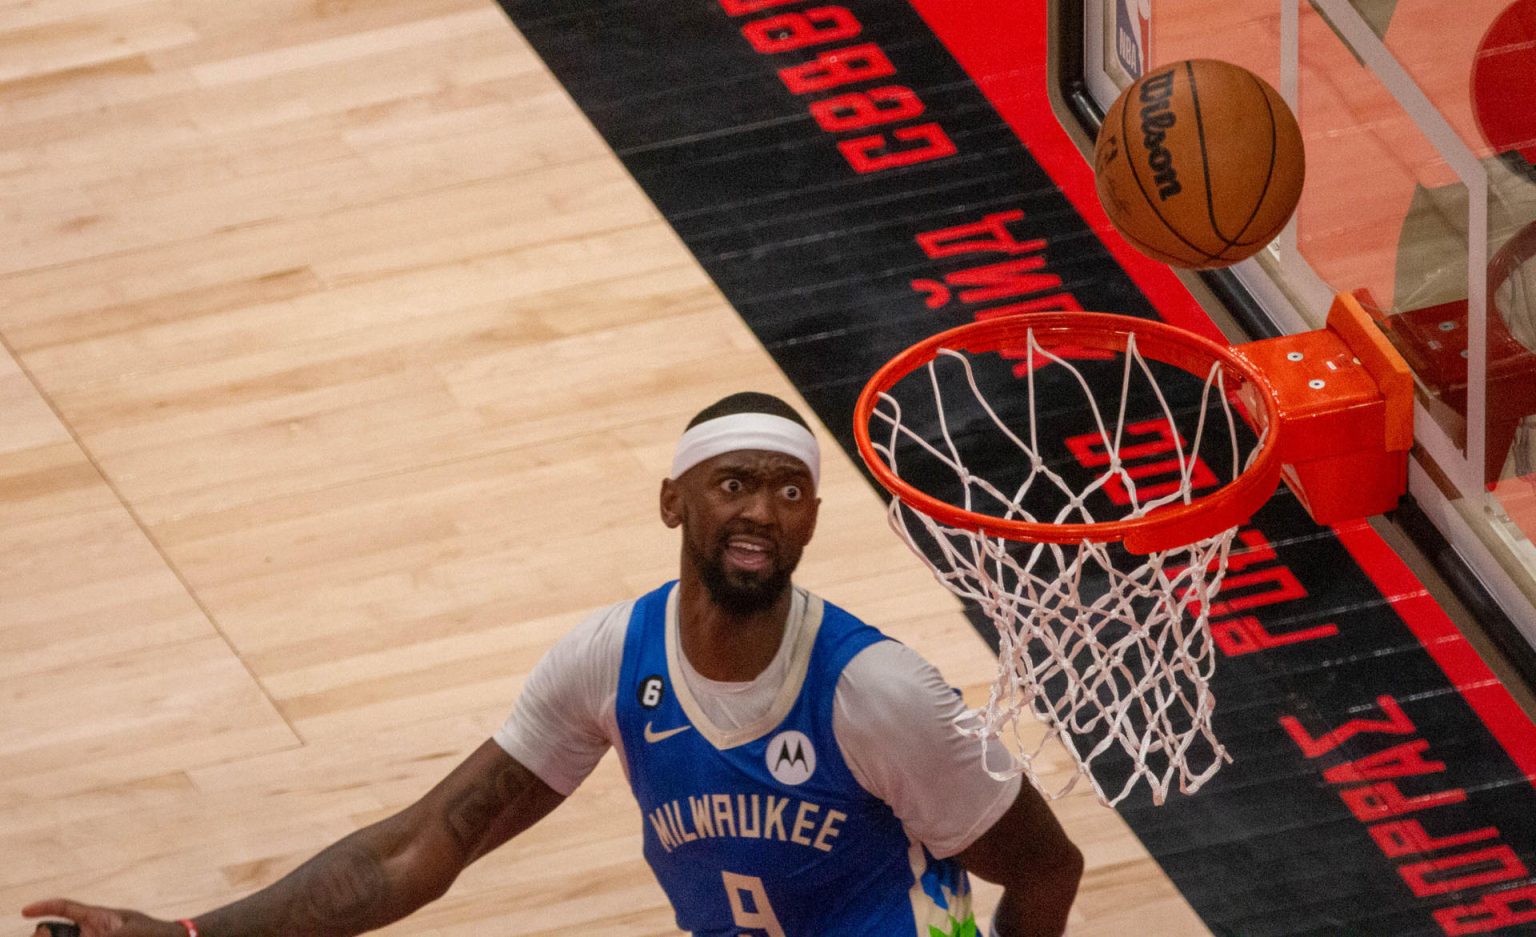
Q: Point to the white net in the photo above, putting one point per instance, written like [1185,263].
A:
[1109,651]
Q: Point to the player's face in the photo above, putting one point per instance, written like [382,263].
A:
[746,518]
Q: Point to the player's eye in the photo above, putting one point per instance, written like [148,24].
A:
[731,486]
[791,493]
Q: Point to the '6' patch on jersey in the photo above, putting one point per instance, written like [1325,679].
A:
[652,691]
[790,757]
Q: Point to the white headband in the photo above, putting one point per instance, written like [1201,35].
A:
[747,431]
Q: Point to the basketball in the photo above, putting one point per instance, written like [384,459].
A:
[1199,163]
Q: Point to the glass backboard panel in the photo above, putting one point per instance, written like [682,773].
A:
[1420,199]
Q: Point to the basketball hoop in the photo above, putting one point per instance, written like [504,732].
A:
[1098,556]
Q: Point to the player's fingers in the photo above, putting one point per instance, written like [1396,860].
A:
[59,907]
[93,921]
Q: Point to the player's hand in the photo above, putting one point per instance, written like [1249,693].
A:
[100,922]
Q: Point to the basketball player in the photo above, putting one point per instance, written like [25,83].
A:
[797,771]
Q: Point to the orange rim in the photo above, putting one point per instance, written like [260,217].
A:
[1165,528]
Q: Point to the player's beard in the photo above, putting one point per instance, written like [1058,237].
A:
[741,593]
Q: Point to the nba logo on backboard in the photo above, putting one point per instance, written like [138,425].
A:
[1133,35]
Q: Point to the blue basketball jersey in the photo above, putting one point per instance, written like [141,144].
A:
[773,837]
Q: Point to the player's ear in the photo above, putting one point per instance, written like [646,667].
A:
[671,503]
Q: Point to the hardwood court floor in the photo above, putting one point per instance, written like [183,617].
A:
[341,363]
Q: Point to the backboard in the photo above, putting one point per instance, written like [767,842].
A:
[1419,200]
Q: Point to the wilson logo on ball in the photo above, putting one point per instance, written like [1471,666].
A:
[1156,121]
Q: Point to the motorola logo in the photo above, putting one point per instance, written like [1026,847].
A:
[790,758]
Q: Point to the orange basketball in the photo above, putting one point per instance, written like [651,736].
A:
[1199,163]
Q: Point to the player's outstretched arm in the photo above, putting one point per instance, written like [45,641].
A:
[1028,853]
[377,875]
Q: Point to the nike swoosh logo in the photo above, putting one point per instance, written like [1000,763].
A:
[651,735]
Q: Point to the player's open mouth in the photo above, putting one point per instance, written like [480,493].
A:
[748,554]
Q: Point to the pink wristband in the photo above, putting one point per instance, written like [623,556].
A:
[191,928]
